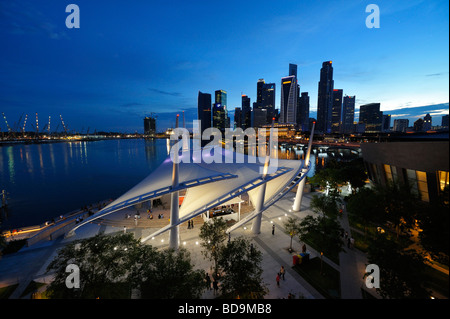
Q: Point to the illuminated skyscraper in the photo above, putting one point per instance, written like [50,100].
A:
[204,110]
[246,113]
[325,98]
[348,115]
[220,113]
[371,116]
[289,95]
[336,111]
[303,112]
[427,122]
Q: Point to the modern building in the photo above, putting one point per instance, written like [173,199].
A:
[204,110]
[400,125]
[444,122]
[418,125]
[386,123]
[150,126]
[422,165]
[237,117]
[325,98]
[246,112]
[348,114]
[303,112]
[259,116]
[371,116]
[289,95]
[293,69]
[427,122]
[265,98]
[220,112]
[336,111]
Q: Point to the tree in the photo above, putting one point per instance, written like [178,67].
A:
[169,274]
[291,227]
[401,271]
[111,265]
[324,204]
[241,265]
[213,235]
[324,232]
[366,206]
[434,223]
[103,263]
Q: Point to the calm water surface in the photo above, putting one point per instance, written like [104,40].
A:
[48,180]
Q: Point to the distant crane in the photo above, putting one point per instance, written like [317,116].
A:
[48,127]
[37,126]
[62,121]
[7,125]
[24,123]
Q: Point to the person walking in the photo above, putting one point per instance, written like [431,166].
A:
[282,272]
[208,281]
[273,229]
[278,279]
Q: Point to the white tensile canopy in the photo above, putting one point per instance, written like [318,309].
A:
[209,185]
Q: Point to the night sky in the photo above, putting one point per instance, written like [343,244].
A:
[131,58]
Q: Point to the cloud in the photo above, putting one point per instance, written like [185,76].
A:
[164,92]
[437,74]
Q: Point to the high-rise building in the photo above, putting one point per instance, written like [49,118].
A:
[259,116]
[150,126]
[237,117]
[289,95]
[444,122]
[371,116]
[418,125]
[400,125]
[265,98]
[325,98]
[348,115]
[293,69]
[303,112]
[220,112]
[204,110]
[386,123]
[336,111]
[246,113]
[427,122]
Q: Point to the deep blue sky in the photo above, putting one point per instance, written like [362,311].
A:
[130,58]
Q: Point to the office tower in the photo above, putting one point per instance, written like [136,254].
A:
[293,69]
[325,98]
[289,95]
[150,126]
[303,112]
[220,113]
[204,110]
[400,125]
[444,122]
[386,123]
[348,115]
[259,116]
[427,122]
[371,116]
[246,113]
[418,125]
[237,117]
[265,98]
[336,111]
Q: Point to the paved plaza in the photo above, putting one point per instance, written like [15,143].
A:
[31,262]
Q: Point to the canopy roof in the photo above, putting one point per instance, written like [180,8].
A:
[209,184]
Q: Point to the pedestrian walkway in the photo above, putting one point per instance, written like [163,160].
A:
[30,263]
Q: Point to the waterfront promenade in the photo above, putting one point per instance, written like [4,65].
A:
[30,263]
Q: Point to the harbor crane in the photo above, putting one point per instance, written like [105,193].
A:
[62,121]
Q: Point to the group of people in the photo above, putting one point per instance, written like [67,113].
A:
[190,224]
[214,281]
[280,275]
[350,240]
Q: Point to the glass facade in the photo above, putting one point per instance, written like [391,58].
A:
[442,180]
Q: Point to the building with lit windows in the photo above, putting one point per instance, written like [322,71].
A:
[422,165]
[325,98]
[336,111]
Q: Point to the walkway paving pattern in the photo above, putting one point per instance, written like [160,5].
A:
[30,263]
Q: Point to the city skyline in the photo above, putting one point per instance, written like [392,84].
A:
[121,65]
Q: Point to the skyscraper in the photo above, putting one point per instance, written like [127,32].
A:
[427,122]
[293,69]
[237,117]
[371,116]
[150,126]
[386,123]
[444,121]
[204,110]
[348,114]
[246,114]
[220,113]
[265,98]
[289,95]
[336,111]
[303,112]
[400,125]
[325,98]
